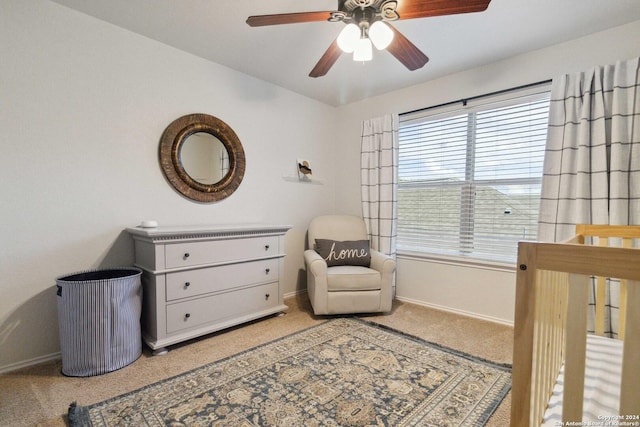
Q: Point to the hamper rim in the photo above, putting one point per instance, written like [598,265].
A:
[135,271]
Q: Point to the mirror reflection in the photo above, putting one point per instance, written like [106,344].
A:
[205,158]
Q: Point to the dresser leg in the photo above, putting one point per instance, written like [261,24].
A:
[282,313]
[160,351]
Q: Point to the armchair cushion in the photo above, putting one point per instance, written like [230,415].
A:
[351,252]
[352,278]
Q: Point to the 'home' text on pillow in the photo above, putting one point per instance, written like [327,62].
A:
[350,252]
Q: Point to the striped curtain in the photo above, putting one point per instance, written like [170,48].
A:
[379,171]
[592,159]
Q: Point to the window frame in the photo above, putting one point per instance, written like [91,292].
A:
[470,108]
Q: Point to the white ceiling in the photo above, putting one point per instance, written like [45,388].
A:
[284,54]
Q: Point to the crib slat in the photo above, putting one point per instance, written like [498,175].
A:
[538,347]
[547,357]
[576,344]
[601,295]
[622,310]
[560,320]
[630,382]
[601,292]
[540,365]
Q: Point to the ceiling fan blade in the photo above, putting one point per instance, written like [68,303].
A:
[408,9]
[287,18]
[325,63]
[405,51]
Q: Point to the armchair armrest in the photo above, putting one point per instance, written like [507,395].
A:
[317,281]
[387,268]
[315,263]
[382,263]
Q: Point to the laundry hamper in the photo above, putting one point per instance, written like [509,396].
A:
[99,320]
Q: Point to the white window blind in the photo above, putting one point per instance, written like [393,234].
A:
[469,178]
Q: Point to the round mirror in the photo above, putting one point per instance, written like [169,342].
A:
[202,157]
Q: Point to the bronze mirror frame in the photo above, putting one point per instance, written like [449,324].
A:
[171,143]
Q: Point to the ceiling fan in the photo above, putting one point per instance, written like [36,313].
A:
[368,21]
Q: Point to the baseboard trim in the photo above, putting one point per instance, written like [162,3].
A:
[457,311]
[433,306]
[31,362]
[56,356]
[294,293]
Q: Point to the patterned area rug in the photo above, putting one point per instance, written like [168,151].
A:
[343,372]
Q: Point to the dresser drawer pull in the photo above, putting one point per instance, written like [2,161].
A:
[187,284]
[187,315]
[266,297]
[266,247]
[267,270]
[186,255]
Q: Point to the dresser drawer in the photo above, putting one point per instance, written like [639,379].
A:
[217,251]
[193,313]
[190,283]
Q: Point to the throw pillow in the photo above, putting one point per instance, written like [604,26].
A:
[350,252]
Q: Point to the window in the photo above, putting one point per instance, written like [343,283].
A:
[469,178]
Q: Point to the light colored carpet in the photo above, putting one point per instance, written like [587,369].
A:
[40,395]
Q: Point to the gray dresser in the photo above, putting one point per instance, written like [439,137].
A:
[202,279]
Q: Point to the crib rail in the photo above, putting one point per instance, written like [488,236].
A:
[552,291]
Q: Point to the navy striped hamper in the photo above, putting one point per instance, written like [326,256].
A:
[99,320]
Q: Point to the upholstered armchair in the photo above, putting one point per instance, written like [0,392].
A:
[348,277]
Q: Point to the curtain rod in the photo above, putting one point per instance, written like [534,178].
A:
[464,101]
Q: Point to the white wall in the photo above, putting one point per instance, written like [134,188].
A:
[462,288]
[82,107]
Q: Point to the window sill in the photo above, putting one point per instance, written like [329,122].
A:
[457,261]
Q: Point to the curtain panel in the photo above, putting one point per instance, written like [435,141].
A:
[379,171]
[592,158]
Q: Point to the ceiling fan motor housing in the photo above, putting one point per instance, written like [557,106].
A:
[369,11]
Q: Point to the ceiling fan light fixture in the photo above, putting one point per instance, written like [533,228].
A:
[349,38]
[363,51]
[361,16]
[381,35]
